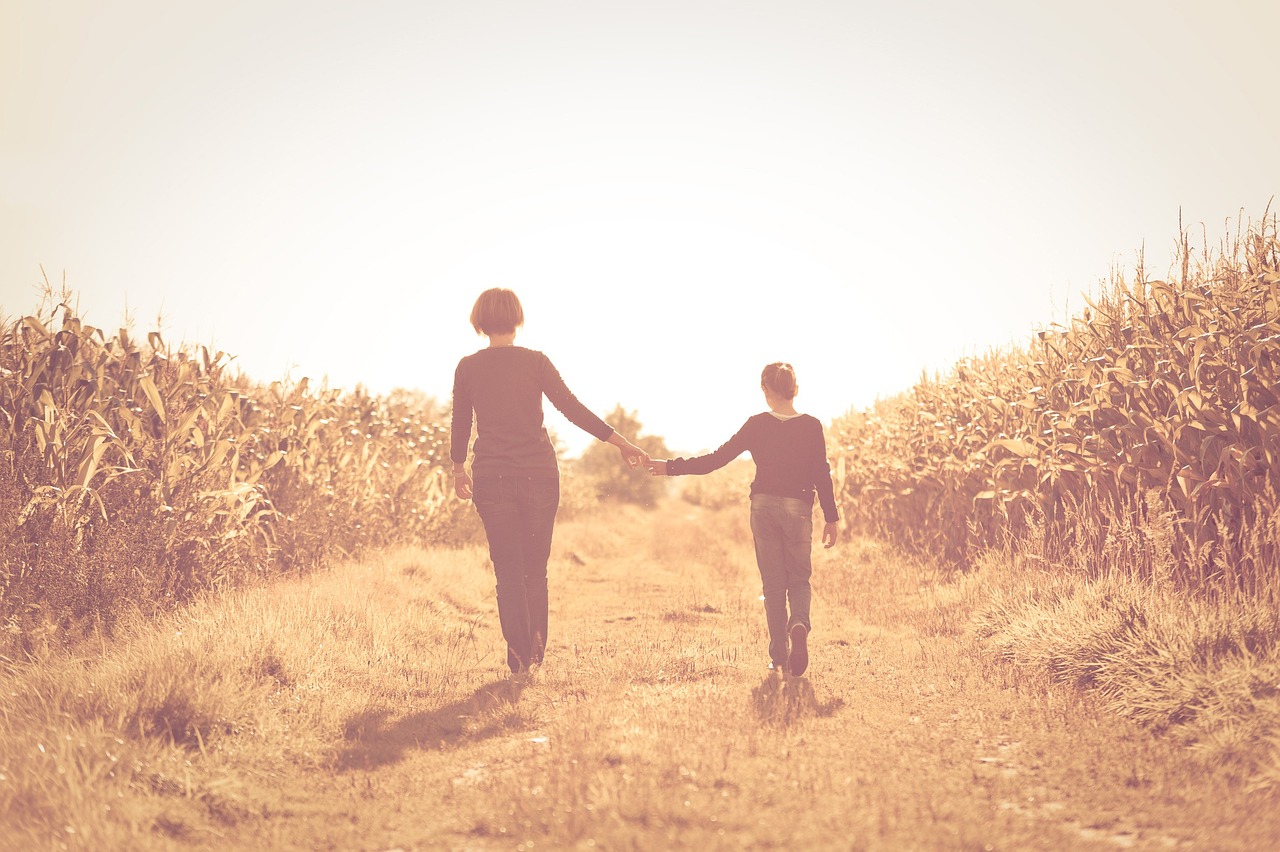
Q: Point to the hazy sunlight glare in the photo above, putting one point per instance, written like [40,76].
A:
[680,193]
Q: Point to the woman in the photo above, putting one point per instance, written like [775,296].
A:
[514,480]
[791,466]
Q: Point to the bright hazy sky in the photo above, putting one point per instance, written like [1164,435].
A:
[680,192]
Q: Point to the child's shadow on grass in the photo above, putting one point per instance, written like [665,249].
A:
[783,701]
[490,710]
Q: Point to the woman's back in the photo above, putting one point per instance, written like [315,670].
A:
[504,386]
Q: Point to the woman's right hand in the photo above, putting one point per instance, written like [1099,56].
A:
[462,484]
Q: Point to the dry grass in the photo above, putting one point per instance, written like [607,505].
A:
[366,707]
[1205,673]
[189,717]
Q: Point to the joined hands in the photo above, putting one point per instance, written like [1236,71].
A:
[632,456]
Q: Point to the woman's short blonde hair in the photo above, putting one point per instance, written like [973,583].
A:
[497,311]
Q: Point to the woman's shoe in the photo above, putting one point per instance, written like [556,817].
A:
[799,659]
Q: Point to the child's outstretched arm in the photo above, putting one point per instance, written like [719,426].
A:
[728,451]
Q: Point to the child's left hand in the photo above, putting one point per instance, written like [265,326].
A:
[829,532]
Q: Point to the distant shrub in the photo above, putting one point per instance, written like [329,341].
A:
[602,467]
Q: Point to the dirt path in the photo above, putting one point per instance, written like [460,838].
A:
[654,725]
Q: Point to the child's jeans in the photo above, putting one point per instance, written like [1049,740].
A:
[783,531]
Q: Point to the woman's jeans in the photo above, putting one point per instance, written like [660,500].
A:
[783,531]
[519,513]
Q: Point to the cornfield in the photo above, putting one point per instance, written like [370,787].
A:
[133,472]
[1144,433]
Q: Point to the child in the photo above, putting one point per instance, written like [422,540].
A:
[790,455]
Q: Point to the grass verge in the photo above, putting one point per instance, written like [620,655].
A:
[1204,671]
[178,728]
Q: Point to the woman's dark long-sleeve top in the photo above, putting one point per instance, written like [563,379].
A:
[503,387]
[790,456]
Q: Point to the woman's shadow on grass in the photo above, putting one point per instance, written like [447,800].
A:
[782,701]
[372,741]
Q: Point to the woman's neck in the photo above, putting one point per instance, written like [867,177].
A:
[496,340]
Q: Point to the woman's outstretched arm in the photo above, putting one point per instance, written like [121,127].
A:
[582,417]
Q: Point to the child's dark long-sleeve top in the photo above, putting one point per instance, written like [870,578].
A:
[790,455]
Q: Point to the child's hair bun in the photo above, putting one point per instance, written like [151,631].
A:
[780,378]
